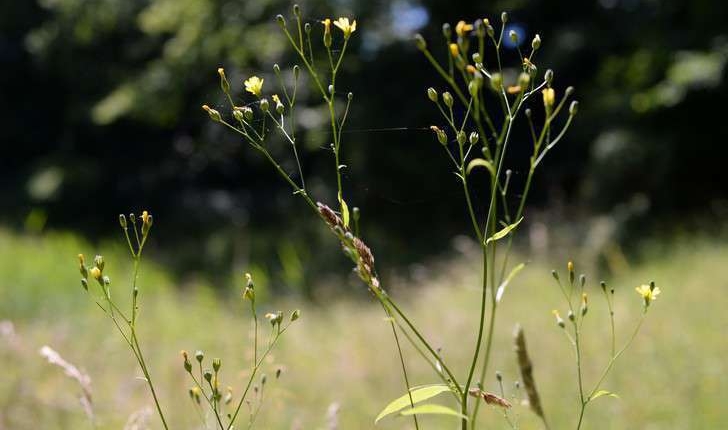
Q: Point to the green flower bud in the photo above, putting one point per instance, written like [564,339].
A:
[548,76]
[536,42]
[432,95]
[307,28]
[474,137]
[122,220]
[574,108]
[496,81]
[224,84]
[238,115]
[514,36]
[216,363]
[447,98]
[350,96]
[281,21]
[295,315]
[447,31]
[461,137]
[420,42]
[523,80]
[504,17]
[296,72]
[207,375]
[297,10]
[276,69]
[199,356]
[264,105]
[248,113]
[214,115]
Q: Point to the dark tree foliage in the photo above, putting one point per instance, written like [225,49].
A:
[102,111]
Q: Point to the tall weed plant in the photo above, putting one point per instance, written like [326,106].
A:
[484,91]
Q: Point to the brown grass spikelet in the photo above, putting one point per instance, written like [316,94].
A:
[526,367]
[490,398]
[364,252]
[329,215]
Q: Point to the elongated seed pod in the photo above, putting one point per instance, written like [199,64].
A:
[526,368]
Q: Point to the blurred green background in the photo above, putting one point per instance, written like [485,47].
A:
[101,115]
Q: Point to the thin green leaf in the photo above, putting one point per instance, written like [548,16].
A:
[344,211]
[479,162]
[601,393]
[500,234]
[419,394]
[432,409]
[504,284]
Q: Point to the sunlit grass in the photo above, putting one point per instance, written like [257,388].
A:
[342,351]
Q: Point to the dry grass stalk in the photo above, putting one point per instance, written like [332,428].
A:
[526,368]
[84,381]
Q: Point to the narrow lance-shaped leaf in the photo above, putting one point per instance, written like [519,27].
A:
[601,393]
[504,284]
[418,394]
[433,409]
[500,234]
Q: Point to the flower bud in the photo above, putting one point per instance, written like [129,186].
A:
[477,59]
[582,280]
[548,77]
[122,220]
[331,89]
[559,320]
[454,50]
[216,363]
[584,306]
[569,91]
[214,115]
[186,363]
[513,36]
[276,68]
[496,81]
[447,31]
[447,98]
[441,136]
[571,316]
[238,115]
[207,375]
[473,138]
[523,80]
[296,314]
[420,42]
[281,21]
[504,17]
[327,32]
[84,284]
[224,84]
[247,113]
[199,356]
[297,10]
[555,274]
[296,72]
[574,108]
[432,95]
[280,108]
[99,262]
[264,105]
[307,28]
[536,42]
[549,98]
[461,137]
[603,285]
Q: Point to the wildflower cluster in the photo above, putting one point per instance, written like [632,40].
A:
[483,98]
[576,299]
[207,384]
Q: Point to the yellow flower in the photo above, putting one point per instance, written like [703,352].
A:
[648,293]
[462,28]
[344,25]
[145,217]
[327,25]
[254,85]
[95,272]
[549,98]
[276,98]
[454,50]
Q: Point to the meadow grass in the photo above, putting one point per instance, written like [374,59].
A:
[342,351]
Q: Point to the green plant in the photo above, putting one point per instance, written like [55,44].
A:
[207,385]
[488,100]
